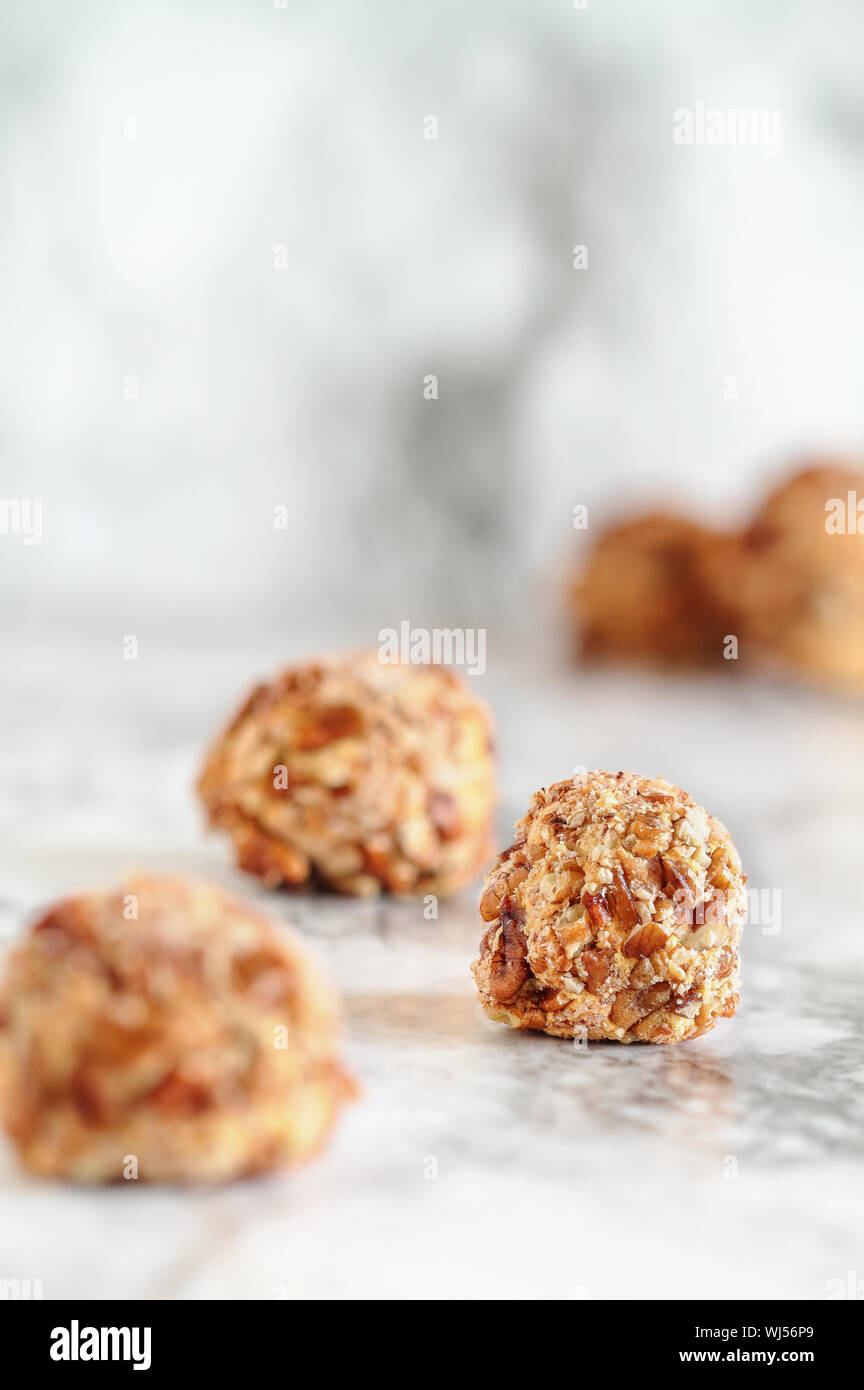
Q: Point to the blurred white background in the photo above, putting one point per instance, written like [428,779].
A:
[160,163]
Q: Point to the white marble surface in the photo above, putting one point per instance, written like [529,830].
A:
[480,1162]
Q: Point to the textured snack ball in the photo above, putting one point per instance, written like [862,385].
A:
[193,1042]
[640,596]
[796,576]
[358,776]
[616,913]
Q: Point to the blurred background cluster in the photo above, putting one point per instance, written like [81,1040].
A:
[231,257]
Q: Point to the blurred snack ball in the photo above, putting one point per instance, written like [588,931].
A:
[616,913]
[796,575]
[641,596]
[357,775]
[165,1033]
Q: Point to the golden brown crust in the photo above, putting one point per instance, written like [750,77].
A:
[193,1037]
[796,583]
[616,913]
[640,596]
[357,776]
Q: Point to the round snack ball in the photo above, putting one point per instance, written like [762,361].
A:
[165,1032]
[616,913]
[640,596]
[357,775]
[797,577]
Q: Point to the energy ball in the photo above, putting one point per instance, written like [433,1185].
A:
[356,775]
[640,596]
[797,578]
[616,913]
[166,1033]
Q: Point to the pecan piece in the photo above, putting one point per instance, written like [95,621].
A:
[490,902]
[516,852]
[499,889]
[68,924]
[720,868]
[264,974]
[268,859]
[177,1095]
[597,965]
[597,908]
[646,824]
[652,871]
[444,815]
[679,890]
[551,999]
[324,726]
[682,1001]
[624,1011]
[654,997]
[508,969]
[89,1097]
[624,908]
[632,1004]
[644,940]
[385,864]
[643,873]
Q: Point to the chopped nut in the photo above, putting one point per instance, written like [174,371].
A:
[725,963]
[324,726]
[624,908]
[644,940]
[444,814]
[595,906]
[597,965]
[509,969]
[490,902]
[679,890]
[501,887]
